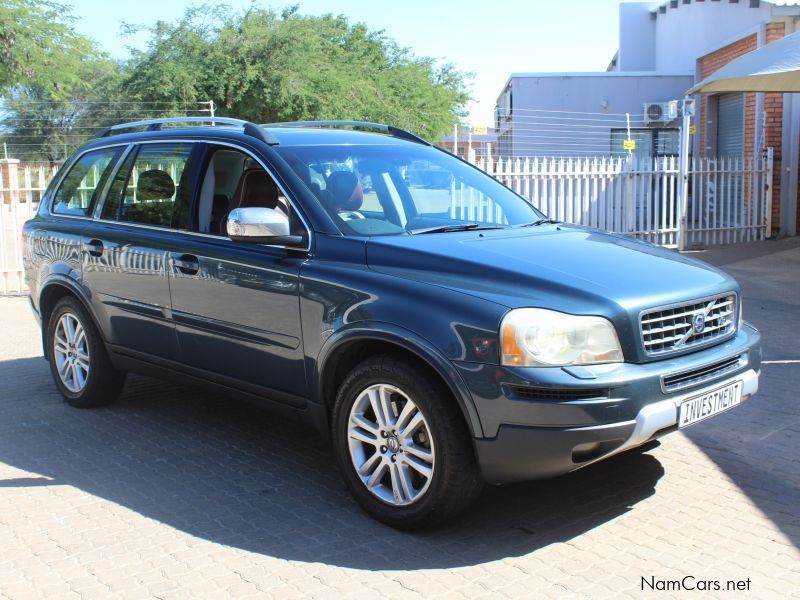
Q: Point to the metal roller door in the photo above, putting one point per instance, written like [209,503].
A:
[730,125]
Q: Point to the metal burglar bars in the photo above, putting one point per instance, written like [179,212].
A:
[729,200]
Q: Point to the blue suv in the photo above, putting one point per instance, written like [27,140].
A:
[429,321]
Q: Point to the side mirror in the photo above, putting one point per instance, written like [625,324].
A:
[258,225]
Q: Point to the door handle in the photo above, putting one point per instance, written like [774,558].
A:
[186,263]
[93,247]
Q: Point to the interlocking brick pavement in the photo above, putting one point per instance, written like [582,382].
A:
[175,492]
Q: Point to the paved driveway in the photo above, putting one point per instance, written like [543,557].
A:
[175,492]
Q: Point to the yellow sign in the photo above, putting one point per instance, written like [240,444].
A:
[692,129]
[629,144]
[480,130]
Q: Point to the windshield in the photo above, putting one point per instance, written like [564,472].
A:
[410,188]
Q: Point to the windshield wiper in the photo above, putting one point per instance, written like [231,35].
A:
[540,222]
[458,227]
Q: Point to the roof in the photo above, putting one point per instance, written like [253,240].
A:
[317,136]
[601,74]
[778,10]
[565,74]
[771,68]
[284,136]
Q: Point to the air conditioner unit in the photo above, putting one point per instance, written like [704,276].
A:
[660,112]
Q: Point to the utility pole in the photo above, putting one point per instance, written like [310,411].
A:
[455,139]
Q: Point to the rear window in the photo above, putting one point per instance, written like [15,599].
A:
[153,187]
[79,191]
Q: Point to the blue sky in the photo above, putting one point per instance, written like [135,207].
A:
[489,38]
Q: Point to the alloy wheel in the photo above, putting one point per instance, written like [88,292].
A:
[390,445]
[71,352]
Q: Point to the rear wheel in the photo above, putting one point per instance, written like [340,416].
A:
[79,363]
[402,444]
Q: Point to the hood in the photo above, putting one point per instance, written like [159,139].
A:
[563,267]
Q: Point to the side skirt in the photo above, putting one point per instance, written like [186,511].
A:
[293,407]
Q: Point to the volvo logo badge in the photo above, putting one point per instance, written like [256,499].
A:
[698,323]
[393,443]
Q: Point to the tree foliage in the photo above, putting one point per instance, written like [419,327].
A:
[264,66]
[59,89]
[42,125]
[38,46]
[50,78]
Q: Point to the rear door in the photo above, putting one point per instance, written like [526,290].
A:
[127,250]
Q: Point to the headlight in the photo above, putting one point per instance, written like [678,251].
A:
[535,337]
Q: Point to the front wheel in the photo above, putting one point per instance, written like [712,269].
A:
[402,444]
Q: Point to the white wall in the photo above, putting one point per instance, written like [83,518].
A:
[689,31]
[593,93]
[637,31]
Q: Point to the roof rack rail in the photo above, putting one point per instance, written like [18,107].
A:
[390,129]
[250,129]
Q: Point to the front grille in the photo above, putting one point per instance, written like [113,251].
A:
[677,327]
[557,394]
[704,374]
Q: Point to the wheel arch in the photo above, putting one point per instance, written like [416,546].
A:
[53,291]
[344,349]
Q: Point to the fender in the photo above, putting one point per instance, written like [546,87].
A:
[66,280]
[408,340]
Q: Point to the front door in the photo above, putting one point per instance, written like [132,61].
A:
[236,305]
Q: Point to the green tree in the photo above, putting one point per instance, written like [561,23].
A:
[41,125]
[264,66]
[39,46]
[53,81]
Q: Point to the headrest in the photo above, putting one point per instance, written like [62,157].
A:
[345,190]
[155,185]
[257,188]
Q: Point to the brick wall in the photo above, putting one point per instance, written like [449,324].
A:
[708,65]
[773,109]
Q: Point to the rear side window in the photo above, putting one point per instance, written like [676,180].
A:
[79,191]
[153,187]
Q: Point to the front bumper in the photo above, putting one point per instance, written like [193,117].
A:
[534,439]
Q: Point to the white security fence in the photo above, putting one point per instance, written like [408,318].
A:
[728,200]
[21,188]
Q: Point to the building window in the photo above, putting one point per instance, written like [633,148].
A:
[650,142]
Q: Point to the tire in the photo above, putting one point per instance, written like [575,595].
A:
[390,488]
[89,378]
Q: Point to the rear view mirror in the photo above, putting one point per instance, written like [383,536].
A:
[258,225]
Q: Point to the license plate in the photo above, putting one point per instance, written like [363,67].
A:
[709,404]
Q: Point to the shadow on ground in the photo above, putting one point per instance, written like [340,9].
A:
[232,474]
[757,445]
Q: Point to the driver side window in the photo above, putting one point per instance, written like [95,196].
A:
[233,180]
